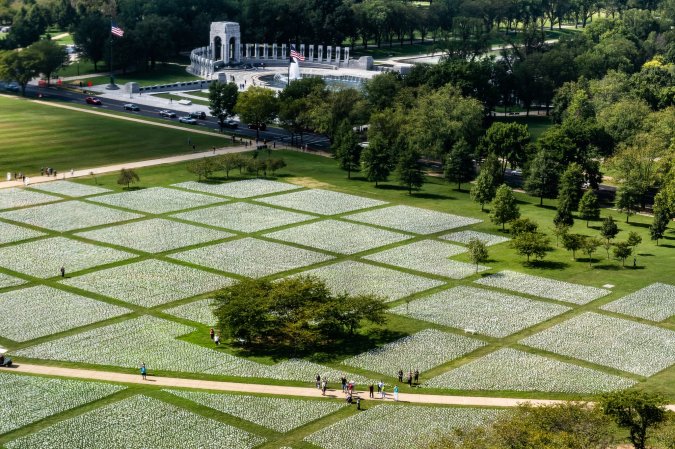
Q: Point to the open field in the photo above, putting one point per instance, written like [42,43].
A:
[36,136]
[126,281]
[163,73]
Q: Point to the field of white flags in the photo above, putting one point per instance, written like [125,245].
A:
[275,413]
[68,215]
[421,351]
[27,399]
[510,369]
[656,302]
[338,236]
[150,282]
[543,287]
[239,189]
[142,268]
[622,344]
[139,422]
[358,278]
[15,197]
[251,257]
[198,311]
[398,427]
[67,188]
[483,311]
[412,219]
[466,236]
[157,200]
[155,235]
[33,312]
[244,217]
[13,233]
[44,258]
[429,256]
[323,202]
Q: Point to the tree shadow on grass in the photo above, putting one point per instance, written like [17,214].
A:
[639,225]
[546,264]
[608,267]
[432,196]
[391,187]
[546,206]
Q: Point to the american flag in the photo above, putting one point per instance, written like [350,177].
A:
[297,55]
[115,30]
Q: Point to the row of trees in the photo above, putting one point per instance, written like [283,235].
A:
[255,164]
[42,57]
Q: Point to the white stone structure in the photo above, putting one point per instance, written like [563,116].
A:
[225,42]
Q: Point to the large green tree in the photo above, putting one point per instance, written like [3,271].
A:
[543,174]
[508,141]
[257,105]
[504,207]
[91,34]
[222,100]
[48,56]
[638,411]
[347,149]
[459,166]
[409,170]
[20,66]
[569,194]
[292,314]
[589,207]
[485,187]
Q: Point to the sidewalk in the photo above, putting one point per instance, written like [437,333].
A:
[177,382]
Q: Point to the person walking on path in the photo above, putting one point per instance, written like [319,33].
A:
[383,395]
[216,339]
[324,385]
[318,381]
[63,271]
[212,333]
[344,384]
[370,391]
[144,372]
[396,393]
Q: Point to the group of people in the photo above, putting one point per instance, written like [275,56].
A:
[44,172]
[215,337]
[412,377]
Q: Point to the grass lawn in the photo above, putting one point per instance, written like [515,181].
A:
[162,74]
[536,124]
[83,67]
[43,136]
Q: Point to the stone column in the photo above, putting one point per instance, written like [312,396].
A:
[302,49]
[337,55]
[226,54]
[265,51]
[329,51]
[283,51]
[347,54]
[320,53]
[274,51]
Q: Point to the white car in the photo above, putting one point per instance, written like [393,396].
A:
[131,107]
[187,119]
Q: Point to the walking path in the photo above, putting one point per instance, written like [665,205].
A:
[177,382]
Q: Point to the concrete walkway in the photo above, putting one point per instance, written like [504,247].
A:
[178,382]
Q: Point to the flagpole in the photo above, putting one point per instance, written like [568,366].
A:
[112,85]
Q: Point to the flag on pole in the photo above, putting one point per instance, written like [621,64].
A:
[115,30]
[296,55]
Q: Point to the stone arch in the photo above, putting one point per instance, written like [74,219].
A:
[226,39]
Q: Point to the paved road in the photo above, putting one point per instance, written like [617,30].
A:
[315,141]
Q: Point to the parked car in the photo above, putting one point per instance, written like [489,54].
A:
[131,107]
[260,126]
[167,114]
[4,360]
[12,87]
[201,115]
[187,119]
[231,124]
[92,100]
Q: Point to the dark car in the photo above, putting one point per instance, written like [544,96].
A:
[260,126]
[230,124]
[201,115]
[167,114]
[131,107]
[92,100]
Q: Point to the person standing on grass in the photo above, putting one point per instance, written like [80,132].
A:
[400,375]
[144,372]
[212,333]
[417,376]
[63,271]
[216,339]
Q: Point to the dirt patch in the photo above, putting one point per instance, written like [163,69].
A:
[309,182]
